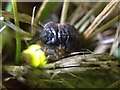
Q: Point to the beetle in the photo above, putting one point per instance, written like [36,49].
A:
[61,35]
[59,40]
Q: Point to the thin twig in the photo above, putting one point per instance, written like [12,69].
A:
[107,10]
[64,11]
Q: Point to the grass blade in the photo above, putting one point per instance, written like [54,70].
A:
[64,11]
[117,40]
[18,37]
[105,26]
[95,9]
[107,10]
[17,29]
[41,10]
[22,17]
[45,10]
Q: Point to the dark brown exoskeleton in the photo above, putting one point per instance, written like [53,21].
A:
[64,38]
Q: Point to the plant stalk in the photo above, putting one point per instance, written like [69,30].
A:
[106,11]
[64,11]
[18,38]
[41,10]
[105,26]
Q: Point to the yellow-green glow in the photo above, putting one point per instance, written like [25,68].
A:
[35,55]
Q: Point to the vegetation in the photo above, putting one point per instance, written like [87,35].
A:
[98,23]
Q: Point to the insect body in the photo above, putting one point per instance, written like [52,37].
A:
[59,40]
[64,36]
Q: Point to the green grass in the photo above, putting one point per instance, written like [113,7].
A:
[18,37]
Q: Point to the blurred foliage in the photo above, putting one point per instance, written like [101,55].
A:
[93,75]
[104,76]
[47,10]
